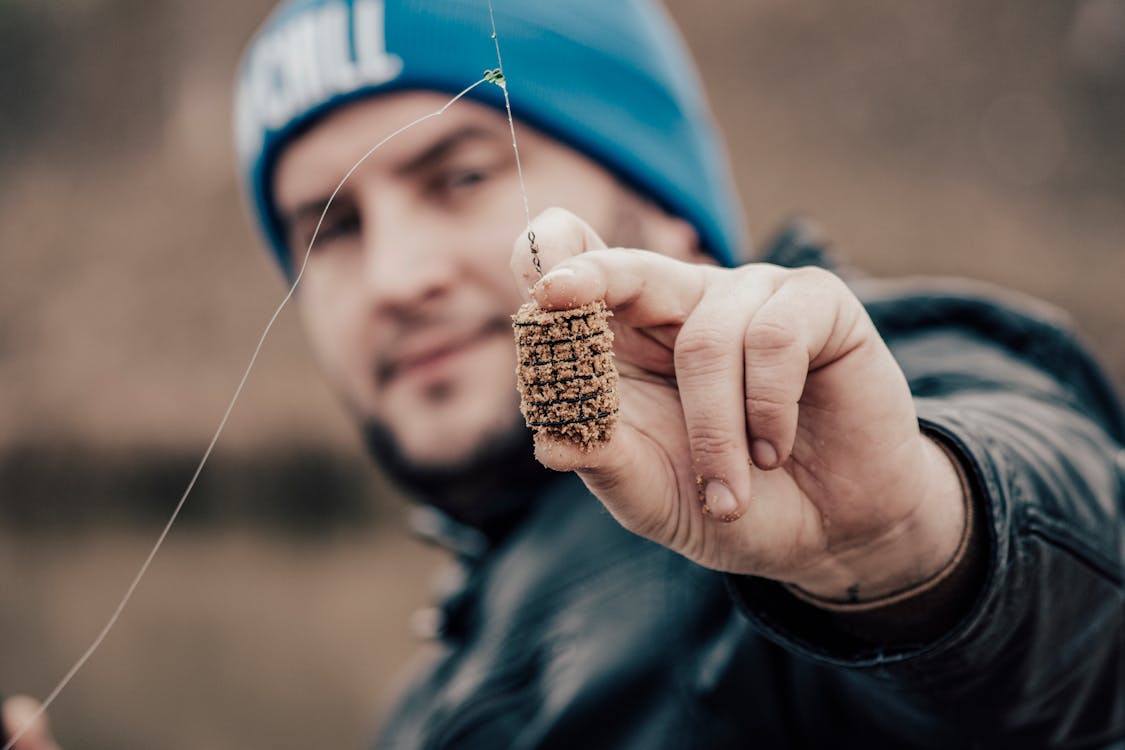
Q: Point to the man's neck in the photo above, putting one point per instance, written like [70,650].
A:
[494,498]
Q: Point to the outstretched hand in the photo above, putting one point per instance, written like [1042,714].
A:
[765,428]
[16,719]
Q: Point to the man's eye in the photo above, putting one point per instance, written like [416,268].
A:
[460,179]
[337,225]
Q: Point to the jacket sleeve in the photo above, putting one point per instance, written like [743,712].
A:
[1035,654]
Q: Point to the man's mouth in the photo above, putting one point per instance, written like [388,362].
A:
[428,355]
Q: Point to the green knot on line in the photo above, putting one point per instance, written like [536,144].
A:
[495,75]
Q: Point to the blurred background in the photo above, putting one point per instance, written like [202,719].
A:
[939,137]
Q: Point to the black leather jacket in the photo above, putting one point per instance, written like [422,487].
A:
[573,633]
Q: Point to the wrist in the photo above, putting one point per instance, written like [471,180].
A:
[913,555]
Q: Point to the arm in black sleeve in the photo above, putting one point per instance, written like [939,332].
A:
[1034,651]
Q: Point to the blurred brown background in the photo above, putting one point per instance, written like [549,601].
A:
[940,136]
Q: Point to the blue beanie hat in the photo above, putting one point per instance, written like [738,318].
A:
[610,78]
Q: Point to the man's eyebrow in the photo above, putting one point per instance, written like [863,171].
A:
[433,154]
[444,146]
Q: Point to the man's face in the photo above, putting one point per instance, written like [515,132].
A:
[407,293]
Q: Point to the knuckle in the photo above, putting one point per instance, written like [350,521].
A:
[708,441]
[768,401]
[816,276]
[768,272]
[701,350]
[766,410]
[767,337]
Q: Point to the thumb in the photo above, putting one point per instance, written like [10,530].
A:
[629,474]
[25,723]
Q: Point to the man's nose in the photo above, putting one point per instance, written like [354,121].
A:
[405,260]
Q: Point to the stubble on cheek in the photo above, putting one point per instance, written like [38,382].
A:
[435,436]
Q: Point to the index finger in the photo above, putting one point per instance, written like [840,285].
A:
[643,288]
[558,235]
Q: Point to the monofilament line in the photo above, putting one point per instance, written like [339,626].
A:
[515,146]
[219,430]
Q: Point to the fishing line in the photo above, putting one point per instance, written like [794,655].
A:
[503,84]
[234,399]
[497,77]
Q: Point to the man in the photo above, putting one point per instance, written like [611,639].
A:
[879,515]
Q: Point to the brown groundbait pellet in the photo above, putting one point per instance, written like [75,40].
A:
[566,373]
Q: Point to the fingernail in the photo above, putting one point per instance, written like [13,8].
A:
[542,288]
[764,454]
[556,275]
[720,502]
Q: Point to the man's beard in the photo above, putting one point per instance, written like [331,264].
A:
[488,488]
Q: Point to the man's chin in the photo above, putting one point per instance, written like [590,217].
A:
[465,485]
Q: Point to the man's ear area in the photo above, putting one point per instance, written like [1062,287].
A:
[672,236]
